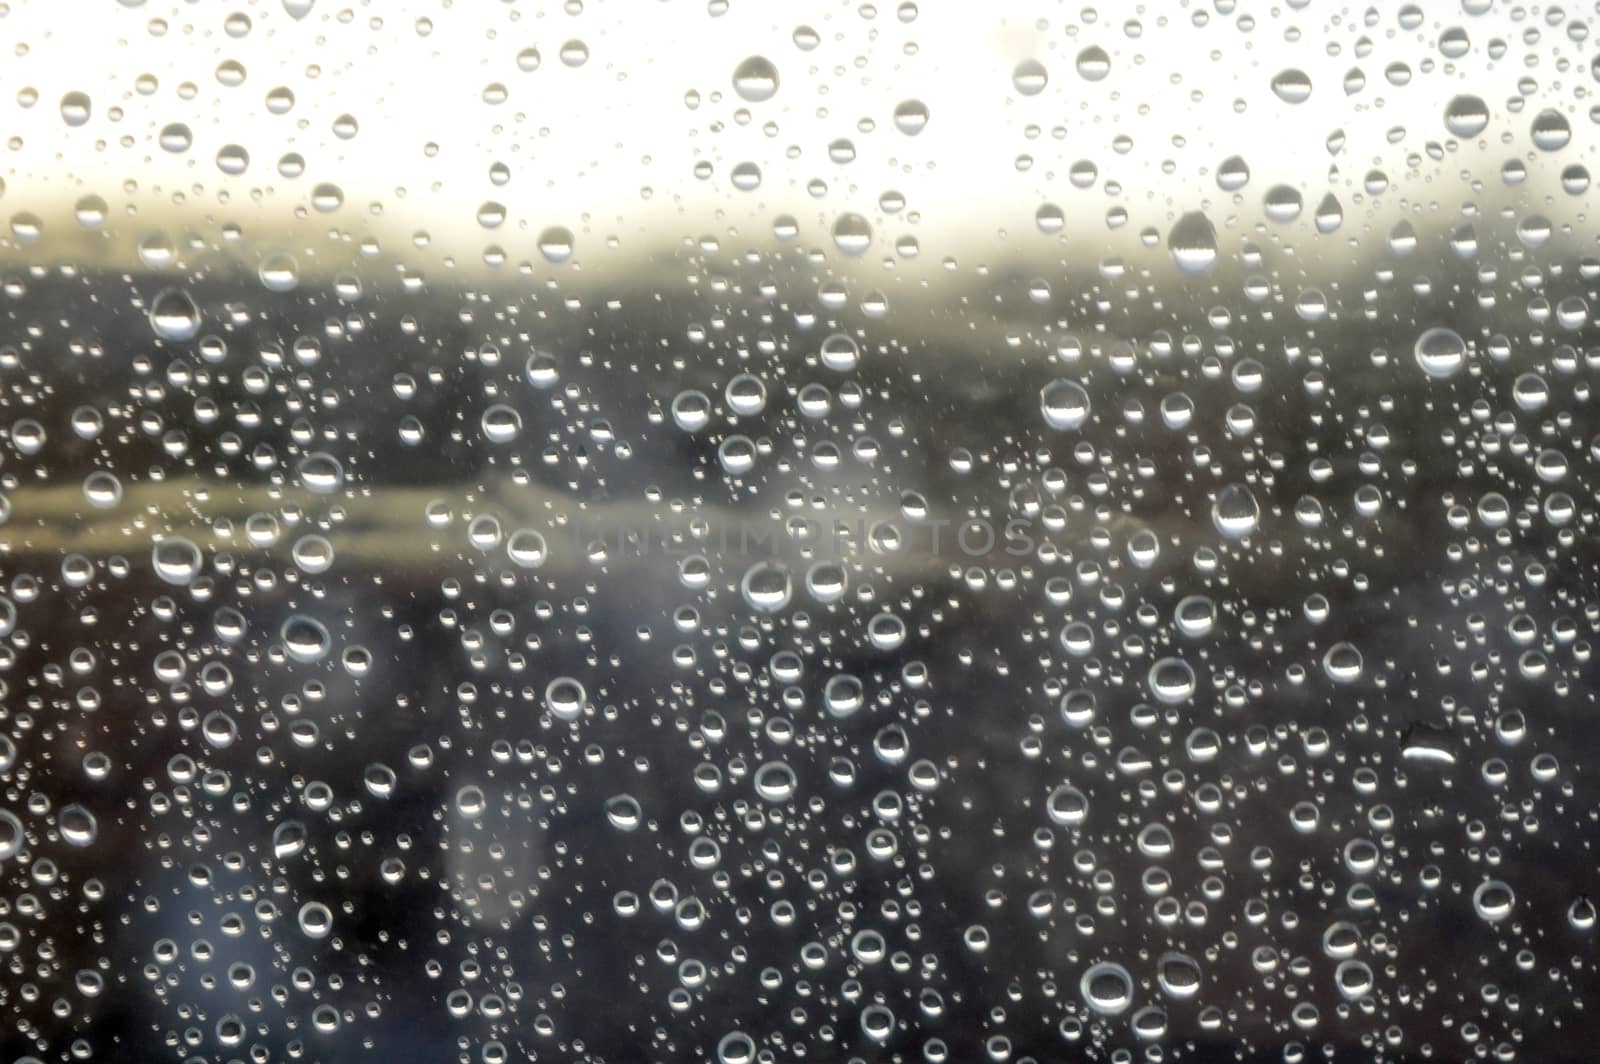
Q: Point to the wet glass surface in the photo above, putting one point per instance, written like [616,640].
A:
[745,532]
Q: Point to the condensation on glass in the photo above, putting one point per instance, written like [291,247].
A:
[753,532]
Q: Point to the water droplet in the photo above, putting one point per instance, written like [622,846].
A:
[78,826]
[1193,243]
[1493,900]
[911,117]
[527,548]
[1067,806]
[316,920]
[1065,404]
[176,560]
[288,839]
[1178,975]
[1551,131]
[1466,115]
[1342,663]
[1233,173]
[321,473]
[746,395]
[174,315]
[305,639]
[691,410]
[555,244]
[12,836]
[775,782]
[623,812]
[564,697]
[1172,681]
[1030,77]
[1235,512]
[756,79]
[839,353]
[1292,86]
[1093,63]
[1107,988]
[852,234]
[76,108]
[1441,352]
[767,587]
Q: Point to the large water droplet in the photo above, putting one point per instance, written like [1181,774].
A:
[1466,115]
[767,587]
[174,316]
[1030,77]
[1551,131]
[1093,63]
[1441,352]
[1493,900]
[176,560]
[1107,988]
[1292,86]
[852,233]
[564,698]
[1064,403]
[1235,512]
[1193,243]
[12,836]
[756,79]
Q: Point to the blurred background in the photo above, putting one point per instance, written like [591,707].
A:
[674,531]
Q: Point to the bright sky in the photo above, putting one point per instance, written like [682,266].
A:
[608,149]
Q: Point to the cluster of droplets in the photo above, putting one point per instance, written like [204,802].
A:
[1178,639]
